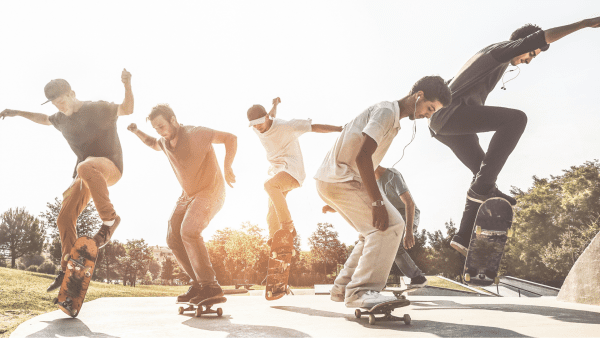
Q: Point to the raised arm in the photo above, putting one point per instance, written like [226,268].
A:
[325,128]
[35,117]
[147,139]
[273,112]
[409,239]
[364,161]
[126,108]
[557,33]
[230,142]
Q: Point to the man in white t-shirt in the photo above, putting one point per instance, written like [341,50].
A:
[346,182]
[280,139]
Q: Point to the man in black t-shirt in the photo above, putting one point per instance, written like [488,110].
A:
[458,124]
[90,128]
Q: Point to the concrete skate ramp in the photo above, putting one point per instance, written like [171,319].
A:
[583,282]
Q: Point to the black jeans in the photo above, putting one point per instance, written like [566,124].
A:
[460,135]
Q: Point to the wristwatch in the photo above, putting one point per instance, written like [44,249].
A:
[377,203]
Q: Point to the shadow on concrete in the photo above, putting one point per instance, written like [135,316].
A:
[223,324]
[439,329]
[68,327]
[560,314]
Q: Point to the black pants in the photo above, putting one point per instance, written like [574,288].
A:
[459,133]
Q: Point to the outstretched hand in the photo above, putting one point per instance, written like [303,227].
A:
[132,127]
[126,77]
[229,176]
[8,113]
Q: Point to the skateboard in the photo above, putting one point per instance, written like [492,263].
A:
[386,310]
[80,268]
[491,230]
[278,272]
[203,307]
[398,292]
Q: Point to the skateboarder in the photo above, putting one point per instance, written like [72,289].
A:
[392,185]
[190,151]
[457,126]
[346,182]
[90,128]
[280,139]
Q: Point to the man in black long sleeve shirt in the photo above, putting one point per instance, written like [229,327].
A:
[457,125]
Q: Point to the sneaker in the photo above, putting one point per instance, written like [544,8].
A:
[368,299]
[208,292]
[57,282]
[494,192]
[105,233]
[417,282]
[338,293]
[460,245]
[192,292]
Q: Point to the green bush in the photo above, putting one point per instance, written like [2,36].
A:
[47,267]
[32,260]
[2,263]
[32,268]
[21,266]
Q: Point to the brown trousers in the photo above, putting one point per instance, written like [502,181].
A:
[94,176]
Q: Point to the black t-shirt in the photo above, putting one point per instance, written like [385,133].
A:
[92,131]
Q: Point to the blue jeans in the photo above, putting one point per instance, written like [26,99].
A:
[405,263]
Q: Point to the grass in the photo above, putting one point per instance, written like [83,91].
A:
[23,294]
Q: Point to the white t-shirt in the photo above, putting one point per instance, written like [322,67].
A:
[381,122]
[283,148]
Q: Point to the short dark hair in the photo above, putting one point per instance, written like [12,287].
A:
[255,112]
[163,110]
[524,32]
[434,89]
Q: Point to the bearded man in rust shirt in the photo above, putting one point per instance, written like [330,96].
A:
[192,157]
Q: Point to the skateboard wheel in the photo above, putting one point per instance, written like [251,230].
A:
[510,232]
[371,319]
[287,290]
[70,266]
[357,313]
[269,294]
[497,280]
[478,230]
[293,253]
[67,257]
[406,319]
[87,274]
[274,254]
[467,277]
[199,311]
[219,312]
[73,313]
[181,310]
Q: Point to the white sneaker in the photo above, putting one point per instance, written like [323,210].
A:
[338,293]
[368,299]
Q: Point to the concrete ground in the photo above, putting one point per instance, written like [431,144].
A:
[317,316]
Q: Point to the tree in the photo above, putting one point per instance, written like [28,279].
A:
[88,224]
[20,234]
[135,261]
[243,250]
[108,259]
[154,269]
[327,248]
[442,258]
[166,273]
[554,222]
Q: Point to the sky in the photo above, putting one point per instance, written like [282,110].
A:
[326,60]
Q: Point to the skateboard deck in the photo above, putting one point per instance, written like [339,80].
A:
[399,292]
[486,248]
[278,272]
[385,309]
[203,307]
[80,268]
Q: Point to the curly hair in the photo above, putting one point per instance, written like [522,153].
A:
[434,89]
[524,31]
[163,110]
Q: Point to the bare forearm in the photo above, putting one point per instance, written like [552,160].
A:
[230,150]
[273,111]
[325,128]
[367,174]
[557,33]
[127,105]
[410,217]
[147,139]
[35,117]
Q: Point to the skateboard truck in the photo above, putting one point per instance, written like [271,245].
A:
[387,315]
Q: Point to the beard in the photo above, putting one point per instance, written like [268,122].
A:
[172,133]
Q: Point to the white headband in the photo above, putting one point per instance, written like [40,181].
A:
[258,121]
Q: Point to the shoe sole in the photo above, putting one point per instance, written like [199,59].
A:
[461,249]
[417,286]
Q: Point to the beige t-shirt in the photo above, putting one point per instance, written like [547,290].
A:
[194,161]
[381,122]
[283,148]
